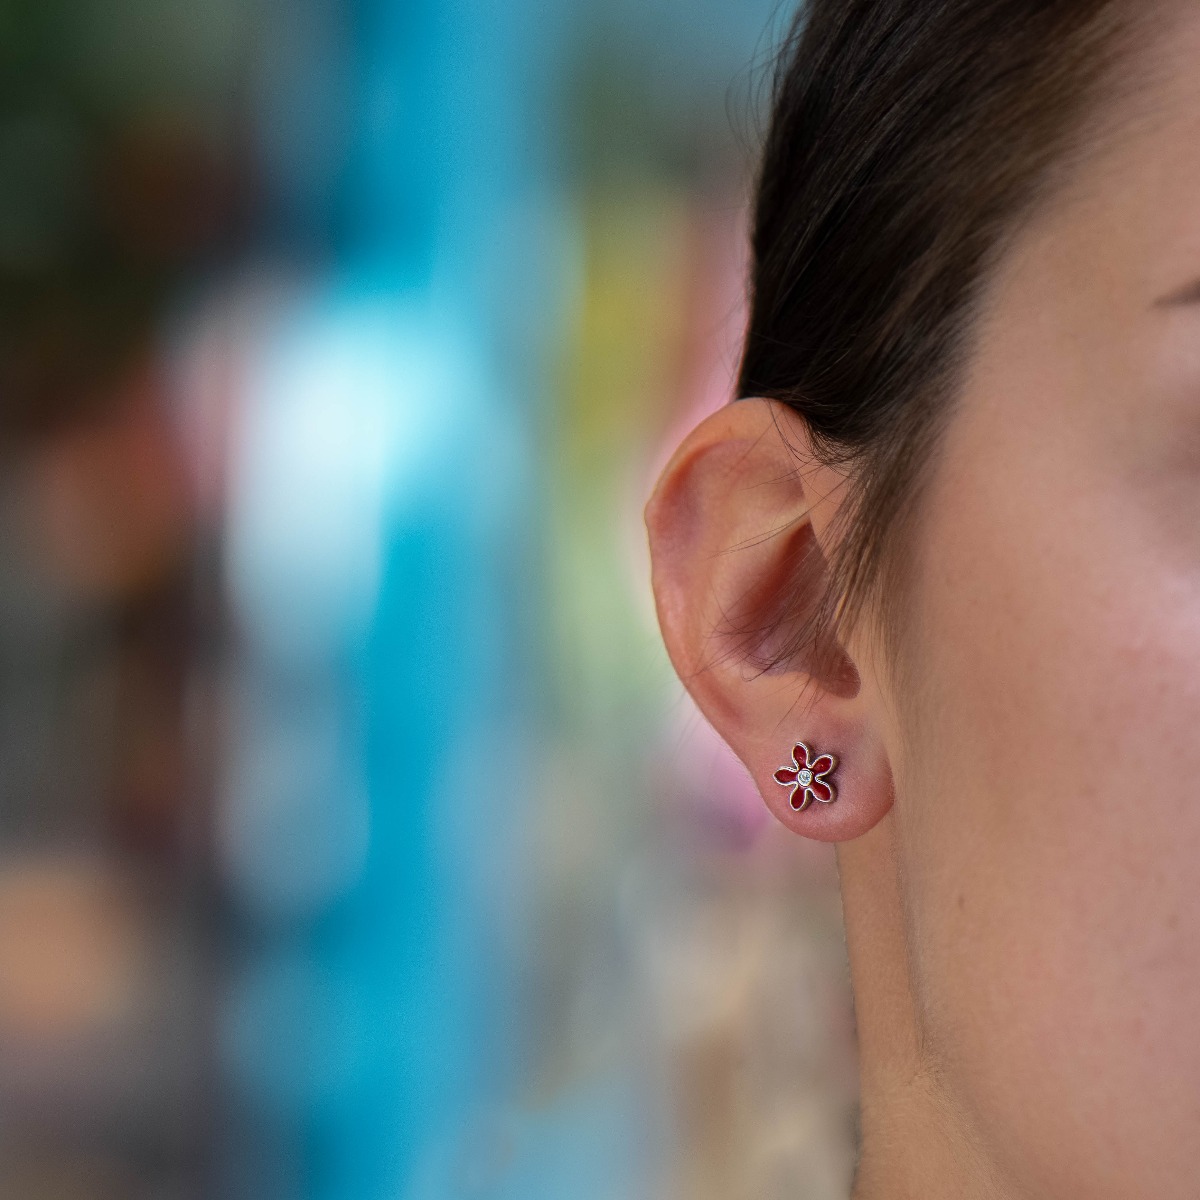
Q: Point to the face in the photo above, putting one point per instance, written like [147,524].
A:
[1048,762]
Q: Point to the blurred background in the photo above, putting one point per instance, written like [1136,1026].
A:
[355,839]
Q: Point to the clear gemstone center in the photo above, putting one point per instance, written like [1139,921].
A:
[804,778]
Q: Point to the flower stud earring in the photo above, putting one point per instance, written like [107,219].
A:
[806,777]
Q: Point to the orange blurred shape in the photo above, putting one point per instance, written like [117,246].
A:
[72,948]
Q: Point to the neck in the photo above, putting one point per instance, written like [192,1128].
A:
[915,1143]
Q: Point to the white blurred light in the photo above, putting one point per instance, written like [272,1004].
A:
[361,416]
[352,405]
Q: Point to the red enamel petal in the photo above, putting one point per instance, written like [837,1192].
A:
[785,775]
[801,799]
[823,764]
[822,791]
[800,756]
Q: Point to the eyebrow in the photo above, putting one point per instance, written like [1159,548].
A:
[1188,294]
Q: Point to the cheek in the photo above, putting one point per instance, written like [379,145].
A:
[1049,816]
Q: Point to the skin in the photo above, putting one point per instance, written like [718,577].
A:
[1018,819]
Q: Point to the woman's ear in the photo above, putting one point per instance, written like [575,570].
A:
[739,525]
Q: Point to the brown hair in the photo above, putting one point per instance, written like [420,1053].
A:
[907,139]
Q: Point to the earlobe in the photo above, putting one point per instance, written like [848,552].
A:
[735,527]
